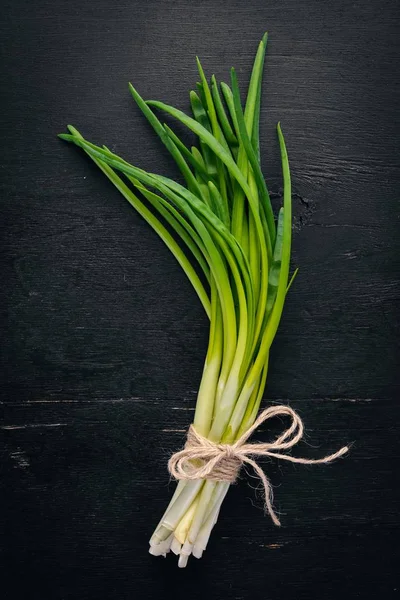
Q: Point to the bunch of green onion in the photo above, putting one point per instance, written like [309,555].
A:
[235,254]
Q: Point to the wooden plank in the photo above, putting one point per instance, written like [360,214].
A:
[103,339]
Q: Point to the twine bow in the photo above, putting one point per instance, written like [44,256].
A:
[203,459]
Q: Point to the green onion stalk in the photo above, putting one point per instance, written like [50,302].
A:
[221,228]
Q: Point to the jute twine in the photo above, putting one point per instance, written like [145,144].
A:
[203,459]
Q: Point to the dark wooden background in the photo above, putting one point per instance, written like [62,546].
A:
[103,339]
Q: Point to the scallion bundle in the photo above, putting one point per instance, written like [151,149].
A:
[236,255]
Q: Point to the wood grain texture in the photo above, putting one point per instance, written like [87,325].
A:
[103,339]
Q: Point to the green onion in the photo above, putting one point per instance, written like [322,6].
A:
[236,255]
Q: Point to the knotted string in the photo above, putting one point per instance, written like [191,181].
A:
[203,459]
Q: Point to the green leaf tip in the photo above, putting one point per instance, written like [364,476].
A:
[70,137]
[133,90]
[73,130]
[136,96]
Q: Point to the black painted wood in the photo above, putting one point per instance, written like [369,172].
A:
[103,339]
